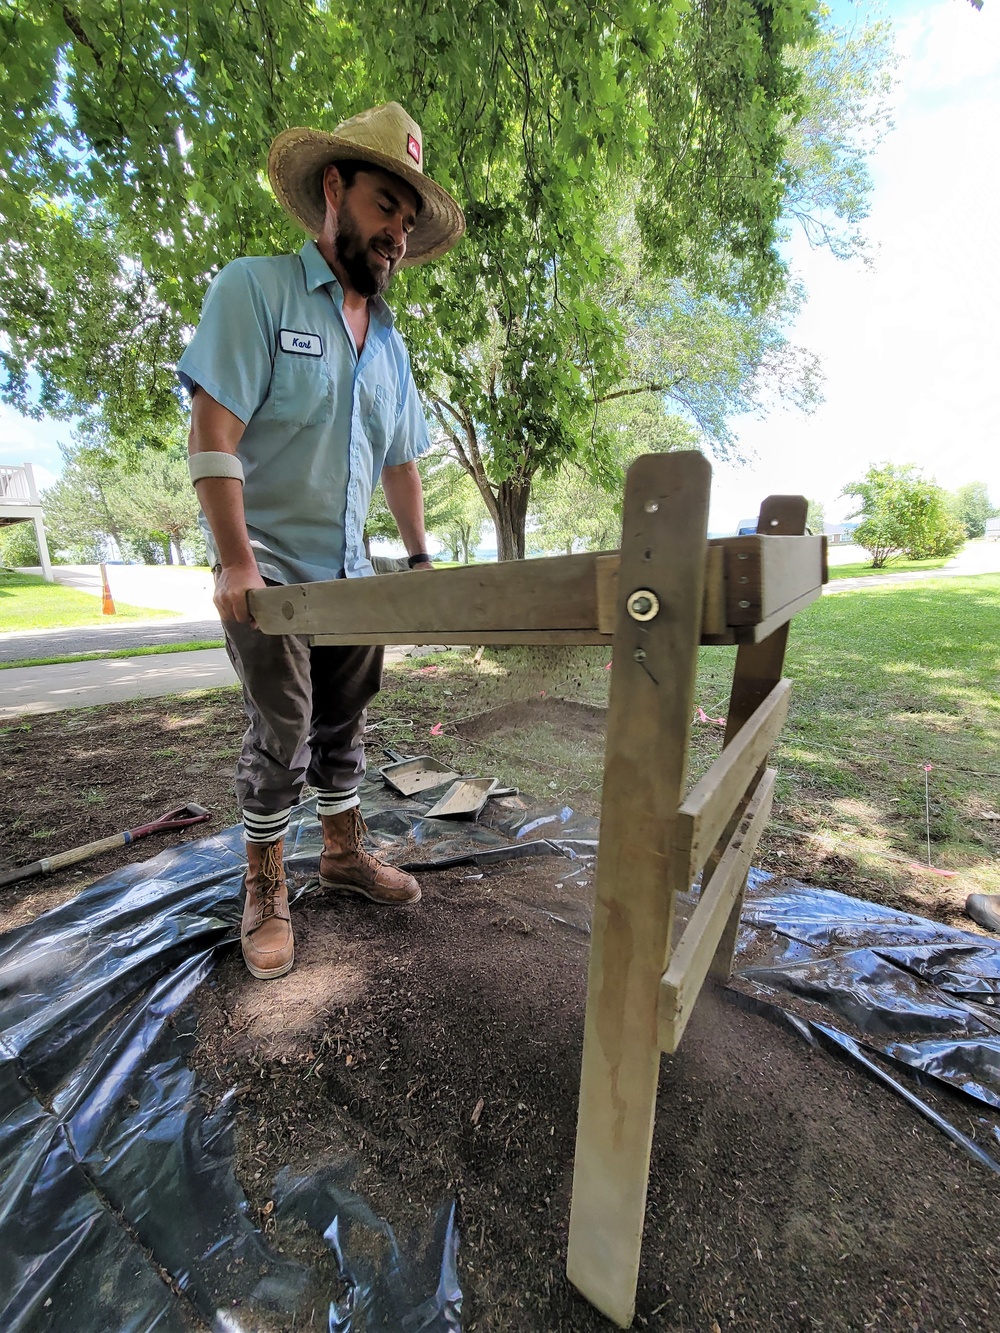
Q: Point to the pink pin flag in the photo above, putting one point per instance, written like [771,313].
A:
[436,729]
[715,721]
[931,870]
[928,768]
[424,670]
[608,667]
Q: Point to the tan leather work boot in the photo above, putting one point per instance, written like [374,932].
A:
[345,864]
[266,934]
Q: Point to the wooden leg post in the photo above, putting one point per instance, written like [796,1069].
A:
[758,670]
[651,704]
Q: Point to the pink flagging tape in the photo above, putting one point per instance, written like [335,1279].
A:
[716,721]
[931,870]
[437,729]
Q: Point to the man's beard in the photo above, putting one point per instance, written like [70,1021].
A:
[366,278]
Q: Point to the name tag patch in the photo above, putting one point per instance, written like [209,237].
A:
[304,344]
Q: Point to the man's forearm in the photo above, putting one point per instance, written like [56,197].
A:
[216,431]
[221,500]
[404,495]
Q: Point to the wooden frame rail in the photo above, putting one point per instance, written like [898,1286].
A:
[667,591]
[570,599]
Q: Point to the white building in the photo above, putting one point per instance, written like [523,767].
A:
[19,503]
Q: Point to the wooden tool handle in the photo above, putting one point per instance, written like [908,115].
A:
[62,859]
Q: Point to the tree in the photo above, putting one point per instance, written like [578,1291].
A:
[709,357]
[105,506]
[971,506]
[80,514]
[156,501]
[455,512]
[902,512]
[847,76]
[137,128]
[815,519]
[18,546]
[576,510]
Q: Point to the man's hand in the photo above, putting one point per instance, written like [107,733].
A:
[231,587]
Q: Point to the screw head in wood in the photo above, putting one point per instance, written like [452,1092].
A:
[287,610]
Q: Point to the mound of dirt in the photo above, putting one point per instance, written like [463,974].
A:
[584,720]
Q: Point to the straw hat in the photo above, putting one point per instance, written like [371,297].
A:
[384,136]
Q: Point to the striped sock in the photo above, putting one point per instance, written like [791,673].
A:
[265,828]
[335,802]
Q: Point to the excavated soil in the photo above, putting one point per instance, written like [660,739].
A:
[438,1050]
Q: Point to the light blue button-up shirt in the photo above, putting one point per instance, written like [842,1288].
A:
[321,422]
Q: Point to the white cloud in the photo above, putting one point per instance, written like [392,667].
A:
[37,442]
[911,348]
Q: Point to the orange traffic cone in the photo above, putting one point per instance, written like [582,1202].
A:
[107,601]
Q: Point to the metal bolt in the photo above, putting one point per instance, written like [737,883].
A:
[744,578]
[643,604]
[742,556]
[744,605]
[287,610]
[651,506]
[639,655]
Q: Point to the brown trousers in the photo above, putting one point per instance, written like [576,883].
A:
[306,709]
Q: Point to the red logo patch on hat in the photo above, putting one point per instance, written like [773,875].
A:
[413,148]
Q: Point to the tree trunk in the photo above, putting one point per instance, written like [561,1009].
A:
[512,511]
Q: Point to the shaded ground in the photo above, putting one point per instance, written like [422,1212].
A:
[438,1048]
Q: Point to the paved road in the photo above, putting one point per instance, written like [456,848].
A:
[107,638]
[185,591]
[49,689]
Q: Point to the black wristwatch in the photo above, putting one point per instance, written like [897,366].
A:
[421,558]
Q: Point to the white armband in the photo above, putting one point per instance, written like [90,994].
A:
[214,463]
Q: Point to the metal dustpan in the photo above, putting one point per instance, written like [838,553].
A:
[409,776]
[467,796]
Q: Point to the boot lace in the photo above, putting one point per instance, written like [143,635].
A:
[270,881]
[370,862]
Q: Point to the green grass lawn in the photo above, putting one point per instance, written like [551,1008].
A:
[858,568]
[153,650]
[886,680]
[27,602]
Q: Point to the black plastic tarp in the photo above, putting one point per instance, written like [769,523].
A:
[118,1199]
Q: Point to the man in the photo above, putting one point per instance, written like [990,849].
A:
[302,399]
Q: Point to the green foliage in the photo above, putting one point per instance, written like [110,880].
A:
[902,513]
[132,141]
[454,509]
[143,502]
[577,509]
[847,76]
[815,518]
[18,545]
[971,505]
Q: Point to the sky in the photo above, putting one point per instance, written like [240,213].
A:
[909,348]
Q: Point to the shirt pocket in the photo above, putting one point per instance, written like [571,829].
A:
[301,390]
[380,418]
